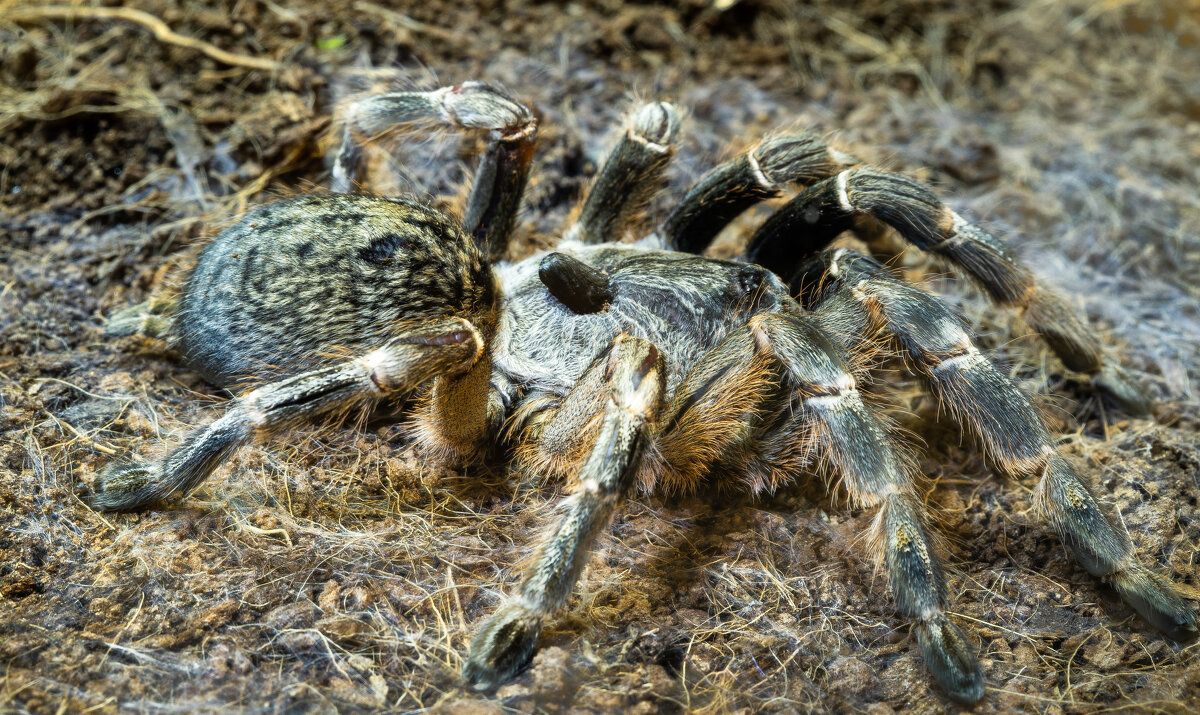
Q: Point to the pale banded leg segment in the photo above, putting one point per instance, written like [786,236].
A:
[863,297]
[635,373]
[733,187]
[828,208]
[503,169]
[631,174]
[445,347]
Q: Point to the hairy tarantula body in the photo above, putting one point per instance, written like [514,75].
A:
[616,365]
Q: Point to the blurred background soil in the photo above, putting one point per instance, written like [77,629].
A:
[331,571]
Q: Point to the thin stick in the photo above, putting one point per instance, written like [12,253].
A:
[162,32]
[407,22]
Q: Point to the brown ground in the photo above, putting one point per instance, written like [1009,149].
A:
[331,571]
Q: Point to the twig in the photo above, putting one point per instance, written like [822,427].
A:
[266,532]
[462,623]
[407,22]
[162,32]
[241,199]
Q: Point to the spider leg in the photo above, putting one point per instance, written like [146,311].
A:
[631,174]
[503,169]
[791,352]
[151,318]
[731,188]
[632,373]
[873,474]
[829,207]
[864,297]
[441,348]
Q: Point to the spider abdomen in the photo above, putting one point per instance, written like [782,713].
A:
[299,279]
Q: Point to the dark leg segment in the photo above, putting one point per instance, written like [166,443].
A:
[826,209]
[503,170]
[630,175]
[759,174]
[445,347]
[633,374]
[863,297]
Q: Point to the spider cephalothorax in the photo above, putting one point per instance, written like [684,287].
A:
[611,364]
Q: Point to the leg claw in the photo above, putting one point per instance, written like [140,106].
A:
[503,646]
[951,659]
[126,486]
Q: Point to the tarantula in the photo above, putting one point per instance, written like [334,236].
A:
[616,365]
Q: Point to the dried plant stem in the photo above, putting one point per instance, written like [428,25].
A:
[161,31]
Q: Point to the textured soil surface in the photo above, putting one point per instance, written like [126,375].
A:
[330,570]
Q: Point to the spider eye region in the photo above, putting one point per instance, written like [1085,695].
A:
[750,279]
